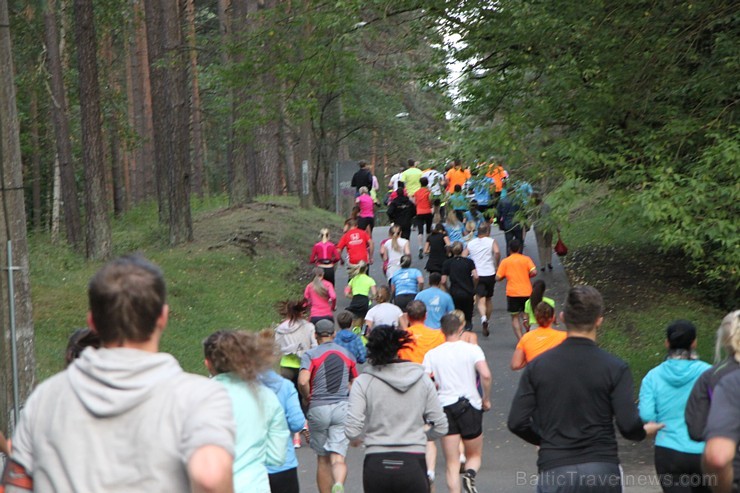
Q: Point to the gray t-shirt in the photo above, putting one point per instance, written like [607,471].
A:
[120,420]
[332,368]
[724,414]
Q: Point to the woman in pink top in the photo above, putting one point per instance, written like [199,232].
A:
[366,219]
[325,255]
[321,297]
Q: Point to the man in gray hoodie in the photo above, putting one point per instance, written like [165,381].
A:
[125,417]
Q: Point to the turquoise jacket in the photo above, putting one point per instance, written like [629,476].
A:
[663,395]
[261,432]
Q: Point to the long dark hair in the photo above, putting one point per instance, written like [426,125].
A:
[538,291]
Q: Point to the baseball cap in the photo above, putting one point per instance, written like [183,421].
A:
[680,334]
[325,327]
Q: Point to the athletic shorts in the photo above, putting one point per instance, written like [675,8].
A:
[326,425]
[485,286]
[364,222]
[467,422]
[515,304]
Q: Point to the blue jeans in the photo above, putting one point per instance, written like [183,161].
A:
[589,477]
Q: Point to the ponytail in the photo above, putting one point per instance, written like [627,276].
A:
[324,234]
[317,284]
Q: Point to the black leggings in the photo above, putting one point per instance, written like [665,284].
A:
[464,302]
[284,481]
[329,274]
[680,472]
[395,472]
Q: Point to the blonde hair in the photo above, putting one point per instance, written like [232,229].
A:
[359,268]
[395,232]
[318,285]
[452,219]
[460,315]
[324,234]
[728,337]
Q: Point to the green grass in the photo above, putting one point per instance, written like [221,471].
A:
[643,290]
[212,284]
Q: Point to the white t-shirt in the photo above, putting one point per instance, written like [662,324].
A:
[394,257]
[453,367]
[384,314]
[394,181]
[481,252]
[435,181]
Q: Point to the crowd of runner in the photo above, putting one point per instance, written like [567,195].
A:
[399,371]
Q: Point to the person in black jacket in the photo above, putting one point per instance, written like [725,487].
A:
[401,211]
[567,401]
[362,178]
[700,399]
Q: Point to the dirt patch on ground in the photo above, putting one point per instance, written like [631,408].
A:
[626,277]
[265,228]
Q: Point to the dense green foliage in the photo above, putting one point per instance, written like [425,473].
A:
[641,95]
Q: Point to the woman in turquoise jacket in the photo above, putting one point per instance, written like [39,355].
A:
[663,395]
[235,359]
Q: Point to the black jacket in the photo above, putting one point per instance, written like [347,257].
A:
[567,401]
[362,178]
[401,210]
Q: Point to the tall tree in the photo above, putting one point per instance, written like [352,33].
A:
[60,115]
[98,239]
[168,63]
[13,232]
[196,118]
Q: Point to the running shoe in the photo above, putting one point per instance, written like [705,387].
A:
[486,332]
[468,482]
[297,442]
[421,253]
[339,488]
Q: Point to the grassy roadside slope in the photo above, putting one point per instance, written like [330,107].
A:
[241,262]
[643,289]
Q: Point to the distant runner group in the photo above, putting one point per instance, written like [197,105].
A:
[125,417]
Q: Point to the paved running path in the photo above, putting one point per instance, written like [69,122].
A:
[509,464]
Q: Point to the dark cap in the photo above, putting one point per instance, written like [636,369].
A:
[325,327]
[680,334]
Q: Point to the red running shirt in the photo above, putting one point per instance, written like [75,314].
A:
[423,202]
[355,241]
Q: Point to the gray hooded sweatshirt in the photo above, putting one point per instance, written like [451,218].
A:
[120,420]
[391,404]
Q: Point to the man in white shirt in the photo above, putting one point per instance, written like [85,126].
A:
[484,251]
[454,365]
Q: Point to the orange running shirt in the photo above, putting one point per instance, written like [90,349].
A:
[515,269]
[497,174]
[423,203]
[456,177]
[538,341]
[424,340]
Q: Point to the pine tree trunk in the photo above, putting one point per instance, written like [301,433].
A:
[60,115]
[224,17]
[113,127]
[168,65]
[35,163]
[287,146]
[13,231]
[196,116]
[98,241]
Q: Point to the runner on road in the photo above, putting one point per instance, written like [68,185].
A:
[484,251]
[539,340]
[359,246]
[455,367]
[437,301]
[517,269]
[463,277]
[577,443]
[326,374]
[394,410]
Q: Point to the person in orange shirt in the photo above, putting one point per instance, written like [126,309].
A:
[539,340]
[423,200]
[424,337]
[498,174]
[517,269]
[457,176]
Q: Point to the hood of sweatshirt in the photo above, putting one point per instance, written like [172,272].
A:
[680,372]
[289,328]
[401,376]
[109,382]
[345,336]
